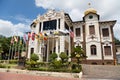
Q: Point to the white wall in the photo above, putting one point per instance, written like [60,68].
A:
[98,48]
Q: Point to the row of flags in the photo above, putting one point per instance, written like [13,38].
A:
[45,35]
[16,39]
[40,36]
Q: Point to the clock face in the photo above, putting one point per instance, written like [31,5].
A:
[90,17]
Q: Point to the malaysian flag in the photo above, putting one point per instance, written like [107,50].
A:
[33,36]
[71,34]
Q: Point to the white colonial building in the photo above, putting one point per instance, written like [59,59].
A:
[94,36]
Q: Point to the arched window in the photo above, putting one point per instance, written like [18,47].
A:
[93,50]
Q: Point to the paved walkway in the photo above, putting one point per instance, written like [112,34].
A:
[15,76]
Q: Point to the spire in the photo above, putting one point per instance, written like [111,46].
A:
[89,10]
[89,5]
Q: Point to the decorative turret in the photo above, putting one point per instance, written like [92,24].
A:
[90,10]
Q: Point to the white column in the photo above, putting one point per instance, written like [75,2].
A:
[29,50]
[57,44]
[36,47]
[48,50]
[69,52]
[57,24]
[53,44]
[62,44]
[36,41]
[40,54]
[41,26]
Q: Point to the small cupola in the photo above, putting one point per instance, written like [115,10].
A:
[90,10]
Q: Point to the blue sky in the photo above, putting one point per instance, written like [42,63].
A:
[10,9]
[17,15]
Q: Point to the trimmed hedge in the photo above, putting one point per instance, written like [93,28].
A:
[38,69]
[13,61]
[56,66]
[55,70]
[48,69]
[2,66]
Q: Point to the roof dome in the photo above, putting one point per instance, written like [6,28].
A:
[90,10]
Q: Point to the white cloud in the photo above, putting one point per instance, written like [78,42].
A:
[107,9]
[104,7]
[117,31]
[7,28]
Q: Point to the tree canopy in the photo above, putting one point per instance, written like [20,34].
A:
[117,41]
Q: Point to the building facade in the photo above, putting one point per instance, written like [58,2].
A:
[94,36]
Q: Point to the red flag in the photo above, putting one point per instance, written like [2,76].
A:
[33,36]
[71,34]
[29,35]
[45,38]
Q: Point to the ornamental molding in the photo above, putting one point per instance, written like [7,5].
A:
[50,14]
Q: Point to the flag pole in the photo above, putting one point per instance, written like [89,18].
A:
[12,50]
[19,45]
[9,54]
[15,50]
[16,40]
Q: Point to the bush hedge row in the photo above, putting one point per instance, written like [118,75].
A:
[55,70]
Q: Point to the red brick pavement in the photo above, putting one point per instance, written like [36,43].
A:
[15,76]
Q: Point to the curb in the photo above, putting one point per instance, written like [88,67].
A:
[42,73]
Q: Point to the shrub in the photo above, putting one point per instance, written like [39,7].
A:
[59,70]
[31,64]
[63,57]
[28,62]
[34,57]
[1,61]
[8,67]
[0,57]
[2,66]
[53,56]
[38,69]
[13,61]
[43,64]
[76,68]
[56,64]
